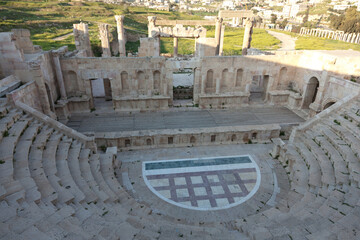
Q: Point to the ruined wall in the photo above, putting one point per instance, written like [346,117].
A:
[219,82]
[27,94]
[149,47]
[226,81]
[23,41]
[136,83]
[205,47]
[49,75]
[11,57]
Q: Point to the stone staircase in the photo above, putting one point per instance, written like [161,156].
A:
[53,187]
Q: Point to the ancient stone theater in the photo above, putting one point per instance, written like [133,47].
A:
[265,145]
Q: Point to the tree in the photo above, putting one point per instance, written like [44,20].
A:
[283,23]
[348,22]
[306,17]
[273,18]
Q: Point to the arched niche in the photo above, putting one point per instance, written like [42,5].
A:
[239,77]
[225,79]
[311,92]
[125,85]
[209,84]
[282,76]
[329,104]
[140,76]
[156,78]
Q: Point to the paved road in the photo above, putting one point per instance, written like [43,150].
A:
[182,119]
[287,42]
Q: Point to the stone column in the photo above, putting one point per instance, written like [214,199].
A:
[222,40]
[151,25]
[247,36]
[175,46]
[121,35]
[218,25]
[59,75]
[104,37]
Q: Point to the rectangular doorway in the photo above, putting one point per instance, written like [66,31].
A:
[183,88]
[258,88]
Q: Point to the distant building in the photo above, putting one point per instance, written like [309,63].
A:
[293,10]
[228,4]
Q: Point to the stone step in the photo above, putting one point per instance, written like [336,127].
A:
[340,170]
[346,135]
[351,160]
[99,178]
[27,215]
[63,169]
[7,148]
[3,111]
[74,167]
[34,233]
[49,159]
[36,166]
[87,175]
[327,170]
[22,172]
[107,171]
[312,164]
[10,118]
[299,172]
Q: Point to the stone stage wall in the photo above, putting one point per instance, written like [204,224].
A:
[159,138]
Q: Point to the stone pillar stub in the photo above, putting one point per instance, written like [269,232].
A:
[247,36]
[82,40]
[121,34]
[151,25]
[104,37]
[175,46]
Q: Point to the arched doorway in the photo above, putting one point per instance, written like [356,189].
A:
[311,91]
[328,105]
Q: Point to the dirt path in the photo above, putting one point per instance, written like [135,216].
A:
[63,37]
[287,42]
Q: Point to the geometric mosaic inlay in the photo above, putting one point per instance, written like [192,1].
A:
[205,183]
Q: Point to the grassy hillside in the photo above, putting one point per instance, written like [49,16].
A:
[316,43]
[51,19]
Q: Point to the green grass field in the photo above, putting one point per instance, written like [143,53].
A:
[316,43]
[50,19]
[47,20]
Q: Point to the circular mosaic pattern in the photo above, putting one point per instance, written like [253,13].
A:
[205,183]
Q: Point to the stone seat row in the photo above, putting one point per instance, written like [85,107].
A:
[52,187]
[322,165]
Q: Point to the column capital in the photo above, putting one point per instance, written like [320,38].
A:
[152,19]
[103,26]
[35,64]
[219,19]
[119,18]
